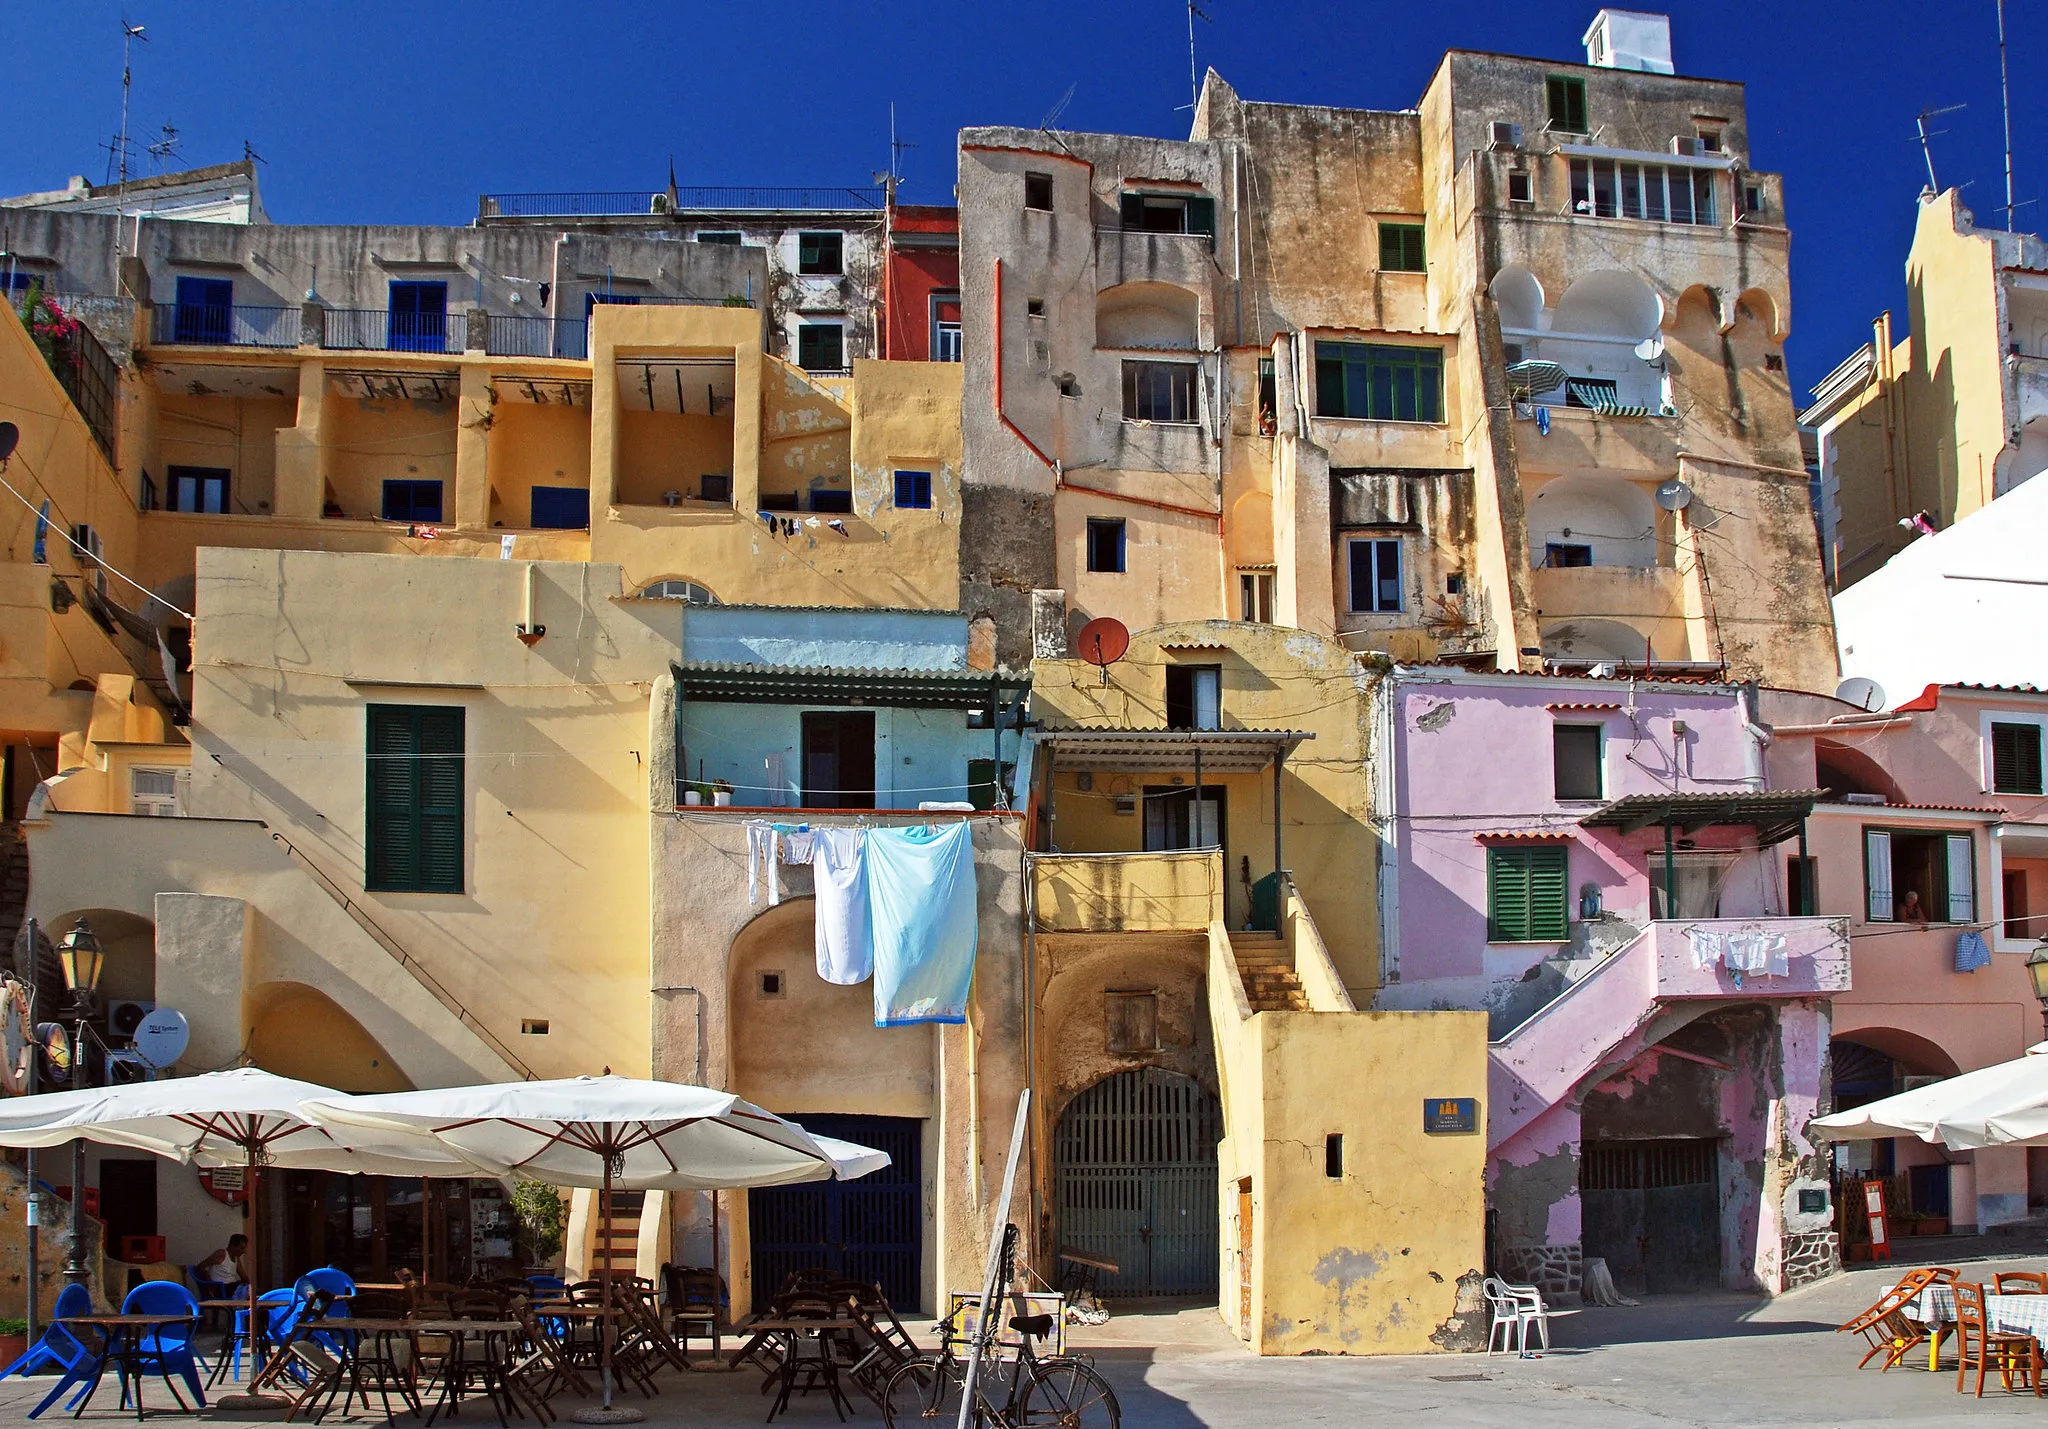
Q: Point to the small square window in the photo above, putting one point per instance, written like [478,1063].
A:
[1519,190]
[836,502]
[1752,198]
[1710,141]
[2015,758]
[1132,1020]
[1333,1156]
[1038,191]
[1454,584]
[778,501]
[1401,248]
[821,347]
[412,501]
[1565,102]
[821,254]
[1034,307]
[1774,362]
[533,1026]
[1160,392]
[1194,697]
[1106,544]
[724,237]
[715,486]
[1375,576]
[772,983]
[914,490]
[1566,553]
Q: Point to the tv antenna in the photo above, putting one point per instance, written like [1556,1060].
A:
[896,148]
[1052,114]
[1926,134]
[166,145]
[129,35]
[2005,105]
[1196,12]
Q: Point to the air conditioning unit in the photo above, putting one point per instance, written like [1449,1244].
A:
[1503,135]
[155,792]
[123,1017]
[1686,146]
[1863,799]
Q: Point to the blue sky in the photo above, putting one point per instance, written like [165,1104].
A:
[388,112]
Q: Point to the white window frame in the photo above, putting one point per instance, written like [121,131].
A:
[1400,578]
[158,803]
[1986,719]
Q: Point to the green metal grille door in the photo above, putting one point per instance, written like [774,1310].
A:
[1135,1159]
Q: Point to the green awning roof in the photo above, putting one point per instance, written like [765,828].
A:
[732,683]
[1774,813]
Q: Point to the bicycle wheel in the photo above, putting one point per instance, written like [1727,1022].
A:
[918,1393]
[1066,1394]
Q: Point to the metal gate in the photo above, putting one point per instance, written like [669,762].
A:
[1135,1164]
[1652,1210]
[871,1229]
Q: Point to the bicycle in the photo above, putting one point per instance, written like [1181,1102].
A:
[1053,1392]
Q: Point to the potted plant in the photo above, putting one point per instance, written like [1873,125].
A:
[13,1339]
[721,793]
[692,795]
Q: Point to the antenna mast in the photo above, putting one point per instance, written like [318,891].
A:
[2005,100]
[129,35]
[1926,134]
[1195,12]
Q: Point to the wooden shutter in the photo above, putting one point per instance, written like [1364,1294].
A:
[1877,876]
[1507,895]
[2016,758]
[1202,216]
[1962,879]
[1548,913]
[414,798]
[1132,212]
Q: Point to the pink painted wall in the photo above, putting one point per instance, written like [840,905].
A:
[1485,767]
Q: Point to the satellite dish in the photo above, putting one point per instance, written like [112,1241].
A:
[160,1038]
[1651,348]
[56,1045]
[1862,693]
[1673,495]
[1104,640]
[10,438]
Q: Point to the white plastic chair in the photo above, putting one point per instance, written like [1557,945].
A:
[1516,1308]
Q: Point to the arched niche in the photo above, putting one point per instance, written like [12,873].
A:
[1148,315]
[1519,295]
[801,1044]
[1609,303]
[1759,310]
[1597,640]
[299,1031]
[128,943]
[1616,518]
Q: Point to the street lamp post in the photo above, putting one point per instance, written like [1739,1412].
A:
[82,958]
[2037,969]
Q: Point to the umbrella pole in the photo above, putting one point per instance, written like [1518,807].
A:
[253,1397]
[606,1413]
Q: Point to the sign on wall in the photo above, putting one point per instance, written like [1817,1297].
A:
[1441,1115]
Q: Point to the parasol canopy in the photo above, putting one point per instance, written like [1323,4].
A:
[2001,1105]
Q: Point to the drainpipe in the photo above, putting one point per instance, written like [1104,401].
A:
[1670,873]
[1279,761]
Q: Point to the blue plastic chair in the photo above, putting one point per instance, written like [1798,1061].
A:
[167,1350]
[58,1346]
[326,1289]
[278,1324]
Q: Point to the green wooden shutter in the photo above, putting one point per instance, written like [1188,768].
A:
[1548,913]
[1507,895]
[413,799]
[1132,210]
[1202,217]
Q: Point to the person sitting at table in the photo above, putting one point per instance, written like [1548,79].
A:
[227,1269]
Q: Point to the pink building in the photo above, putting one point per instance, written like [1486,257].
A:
[1598,864]
[1940,800]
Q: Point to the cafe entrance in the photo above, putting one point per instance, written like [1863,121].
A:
[372,1227]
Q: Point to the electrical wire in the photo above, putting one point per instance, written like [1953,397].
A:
[97,562]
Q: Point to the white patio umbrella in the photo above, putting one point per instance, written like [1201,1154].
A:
[610,1133]
[2003,1104]
[245,1117]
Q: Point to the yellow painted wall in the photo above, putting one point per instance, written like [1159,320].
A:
[371,441]
[806,433]
[1152,893]
[663,451]
[239,433]
[533,444]
[1273,678]
[299,1031]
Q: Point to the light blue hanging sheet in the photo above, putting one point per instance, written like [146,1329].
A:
[921,900]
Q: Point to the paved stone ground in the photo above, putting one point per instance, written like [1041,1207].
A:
[1706,1360]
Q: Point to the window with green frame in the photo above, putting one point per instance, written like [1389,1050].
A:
[1379,382]
[1526,887]
[1401,248]
[413,803]
[1565,102]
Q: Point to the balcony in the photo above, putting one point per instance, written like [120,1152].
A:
[1127,892]
[233,325]
[1749,957]
[393,330]
[537,337]
[1130,255]
[1631,593]
[631,202]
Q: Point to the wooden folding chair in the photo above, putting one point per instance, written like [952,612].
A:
[2020,1282]
[1886,1327]
[881,1351]
[1981,1347]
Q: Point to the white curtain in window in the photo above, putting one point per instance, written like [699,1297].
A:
[1962,891]
[1877,875]
[1208,692]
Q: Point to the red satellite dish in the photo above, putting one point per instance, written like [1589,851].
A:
[1104,640]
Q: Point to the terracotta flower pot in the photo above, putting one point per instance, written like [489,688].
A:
[12,1348]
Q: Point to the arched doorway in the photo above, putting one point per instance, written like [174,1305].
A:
[1134,1164]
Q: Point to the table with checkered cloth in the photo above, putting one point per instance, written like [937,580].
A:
[2012,1314]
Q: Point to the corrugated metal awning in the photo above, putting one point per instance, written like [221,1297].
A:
[1224,751]
[1775,814]
[732,683]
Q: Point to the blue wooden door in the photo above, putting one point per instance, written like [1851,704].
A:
[419,317]
[205,311]
[870,1230]
[1135,1171]
[561,508]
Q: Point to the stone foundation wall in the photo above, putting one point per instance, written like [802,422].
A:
[1803,1259]
[1557,1270]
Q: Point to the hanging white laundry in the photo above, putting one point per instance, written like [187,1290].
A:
[761,863]
[798,843]
[846,948]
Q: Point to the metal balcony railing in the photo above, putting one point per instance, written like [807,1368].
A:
[223,325]
[618,203]
[389,330]
[537,337]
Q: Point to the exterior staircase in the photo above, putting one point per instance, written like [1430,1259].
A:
[13,886]
[616,1241]
[1266,967]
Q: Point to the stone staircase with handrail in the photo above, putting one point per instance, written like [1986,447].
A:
[1265,965]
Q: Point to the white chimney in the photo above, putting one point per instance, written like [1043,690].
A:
[1630,39]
